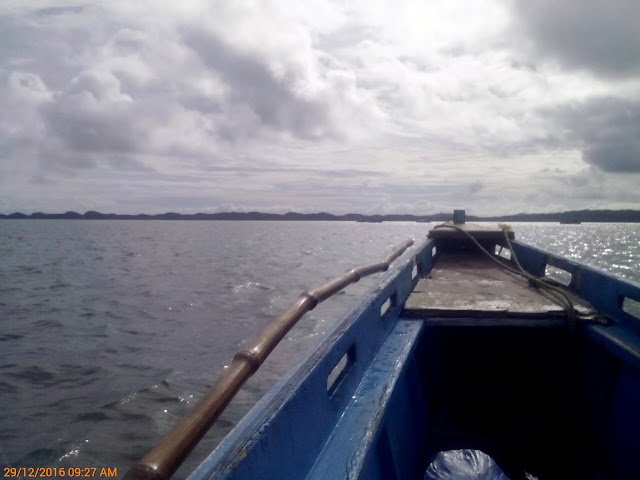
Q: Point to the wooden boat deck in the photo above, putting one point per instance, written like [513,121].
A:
[473,289]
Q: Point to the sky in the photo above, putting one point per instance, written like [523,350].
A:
[375,107]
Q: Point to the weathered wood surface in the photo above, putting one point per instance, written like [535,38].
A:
[471,285]
[479,232]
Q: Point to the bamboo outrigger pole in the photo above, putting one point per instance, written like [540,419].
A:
[171,450]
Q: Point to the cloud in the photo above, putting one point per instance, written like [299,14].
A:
[416,106]
[52,11]
[600,36]
[29,86]
[476,186]
[93,115]
[605,129]
[615,158]
[255,94]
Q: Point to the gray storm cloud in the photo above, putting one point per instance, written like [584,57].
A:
[606,130]
[600,36]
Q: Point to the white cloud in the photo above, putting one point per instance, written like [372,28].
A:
[28,86]
[376,106]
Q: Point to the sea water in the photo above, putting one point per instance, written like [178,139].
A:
[110,330]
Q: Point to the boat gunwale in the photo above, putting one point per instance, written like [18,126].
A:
[606,292]
[306,377]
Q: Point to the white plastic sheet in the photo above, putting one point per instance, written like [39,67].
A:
[464,465]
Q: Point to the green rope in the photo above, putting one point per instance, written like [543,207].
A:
[560,296]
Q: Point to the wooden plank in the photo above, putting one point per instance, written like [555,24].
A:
[479,232]
[472,286]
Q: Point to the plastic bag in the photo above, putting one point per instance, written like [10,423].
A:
[464,465]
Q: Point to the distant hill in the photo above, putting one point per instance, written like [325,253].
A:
[575,216]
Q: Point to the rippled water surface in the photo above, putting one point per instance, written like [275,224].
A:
[110,329]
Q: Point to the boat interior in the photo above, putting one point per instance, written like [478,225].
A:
[474,365]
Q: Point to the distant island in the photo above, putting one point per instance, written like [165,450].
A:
[575,217]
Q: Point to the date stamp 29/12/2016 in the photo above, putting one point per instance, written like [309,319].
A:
[59,472]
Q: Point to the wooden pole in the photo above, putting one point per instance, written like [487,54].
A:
[171,450]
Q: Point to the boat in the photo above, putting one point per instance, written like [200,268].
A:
[370,220]
[464,343]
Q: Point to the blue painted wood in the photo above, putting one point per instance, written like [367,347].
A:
[621,439]
[298,415]
[605,292]
[622,342]
[379,417]
[572,401]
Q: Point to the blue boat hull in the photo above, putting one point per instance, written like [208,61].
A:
[386,391]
